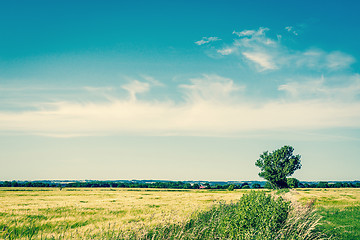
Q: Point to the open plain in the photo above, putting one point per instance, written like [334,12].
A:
[78,213]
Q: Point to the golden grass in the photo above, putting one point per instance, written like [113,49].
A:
[328,197]
[76,212]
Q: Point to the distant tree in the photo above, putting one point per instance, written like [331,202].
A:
[245,185]
[293,183]
[339,185]
[231,187]
[323,185]
[268,185]
[6,184]
[278,165]
[15,184]
[195,186]
[256,186]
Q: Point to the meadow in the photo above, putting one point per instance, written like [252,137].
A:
[80,213]
[339,208]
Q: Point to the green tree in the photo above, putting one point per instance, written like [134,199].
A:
[268,185]
[323,185]
[293,183]
[278,165]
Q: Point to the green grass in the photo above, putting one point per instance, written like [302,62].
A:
[256,215]
[339,208]
[341,223]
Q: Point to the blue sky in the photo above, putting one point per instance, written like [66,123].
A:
[178,90]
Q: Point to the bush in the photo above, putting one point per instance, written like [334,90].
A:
[255,216]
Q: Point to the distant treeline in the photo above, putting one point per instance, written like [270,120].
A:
[171,185]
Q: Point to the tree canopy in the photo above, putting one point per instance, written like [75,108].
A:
[278,165]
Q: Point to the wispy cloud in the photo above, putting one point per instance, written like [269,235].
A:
[319,59]
[269,53]
[291,30]
[213,106]
[250,33]
[210,88]
[152,80]
[317,88]
[262,59]
[226,51]
[134,87]
[206,40]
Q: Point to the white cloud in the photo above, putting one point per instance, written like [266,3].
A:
[193,118]
[205,40]
[291,30]
[226,51]
[318,59]
[210,88]
[304,89]
[244,33]
[213,106]
[262,59]
[152,80]
[249,33]
[134,87]
[270,54]
[338,60]
[318,89]
[253,39]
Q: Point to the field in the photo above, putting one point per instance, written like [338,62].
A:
[48,213]
[340,209]
[83,212]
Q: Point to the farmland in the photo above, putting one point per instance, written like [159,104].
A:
[77,213]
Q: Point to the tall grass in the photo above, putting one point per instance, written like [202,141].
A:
[255,216]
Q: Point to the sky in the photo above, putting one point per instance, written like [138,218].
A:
[178,90]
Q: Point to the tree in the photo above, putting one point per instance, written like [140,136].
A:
[278,165]
[231,187]
[323,185]
[268,185]
[293,183]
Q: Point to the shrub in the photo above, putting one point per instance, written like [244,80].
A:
[255,216]
[231,188]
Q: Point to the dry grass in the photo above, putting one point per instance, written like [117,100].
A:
[40,213]
[328,197]
[77,212]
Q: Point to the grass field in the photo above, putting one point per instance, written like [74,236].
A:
[340,209]
[48,213]
[83,212]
